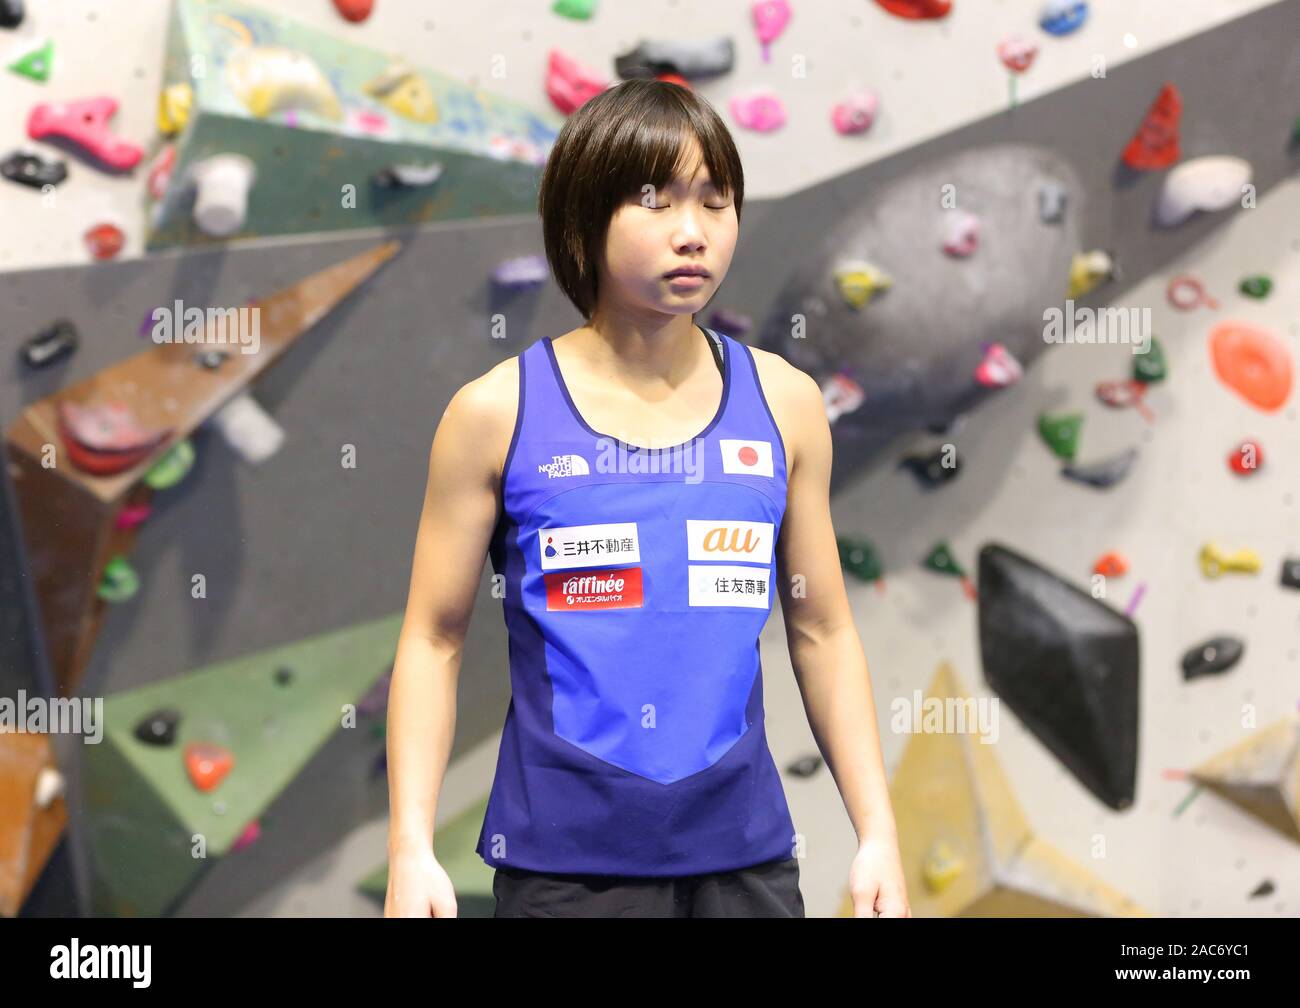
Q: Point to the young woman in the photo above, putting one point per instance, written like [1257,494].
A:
[642,486]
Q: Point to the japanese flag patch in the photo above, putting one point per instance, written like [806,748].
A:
[751,458]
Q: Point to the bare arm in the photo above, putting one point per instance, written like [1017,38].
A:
[459,514]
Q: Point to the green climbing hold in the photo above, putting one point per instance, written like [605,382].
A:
[1150,366]
[859,558]
[1061,433]
[941,559]
[172,467]
[120,581]
[1256,286]
[35,64]
[579,10]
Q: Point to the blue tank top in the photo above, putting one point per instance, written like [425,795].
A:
[637,581]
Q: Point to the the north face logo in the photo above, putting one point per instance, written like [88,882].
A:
[565,465]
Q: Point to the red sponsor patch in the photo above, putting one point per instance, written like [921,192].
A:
[619,588]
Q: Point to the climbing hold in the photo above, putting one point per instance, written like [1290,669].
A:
[1257,287]
[693,59]
[404,90]
[931,470]
[160,172]
[940,559]
[940,867]
[1290,576]
[998,368]
[730,322]
[1155,145]
[1252,362]
[253,831]
[1213,656]
[1088,270]
[1111,564]
[760,110]
[859,558]
[1103,474]
[158,727]
[805,766]
[1185,292]
[523,271]
[856,113]
[1017,54]
[11,13]
[1121,394]
[1246,458]
[859,281]
[1204,183]
[569,84]
[1265,888]
[104,439]
[223,182]
[55,342]
[85,123]
[355,11]
[770,19]
[283,675]
[841,394]
[271,79]
[409,176]
[174,104]
[1067,665]
[104,240]
[172,467]
[1149,366]
[376,698]
[1052,198]
[35,64]
[120,582]
[915,10]
[1214,562]
[49,785]
[207,764]
[578,10]
[30,169]
[132,515]
[963,233]
[1060,17]
[1061,433]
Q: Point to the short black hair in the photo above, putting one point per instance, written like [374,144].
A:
[627,136]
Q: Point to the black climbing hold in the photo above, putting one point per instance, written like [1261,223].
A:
[1105,473]
[11,13]
[1067,665]
[805,766]
[929,470]
[158,727]
[30,169]
[690,59]
[1218,654]
[211,359]
[283,676]
[1291,572]
[1265,888]
[50,344]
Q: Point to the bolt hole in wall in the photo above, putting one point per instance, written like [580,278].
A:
[1000,494]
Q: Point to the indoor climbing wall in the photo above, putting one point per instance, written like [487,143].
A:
[1100,540]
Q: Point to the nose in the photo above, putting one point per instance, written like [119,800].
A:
[688,236]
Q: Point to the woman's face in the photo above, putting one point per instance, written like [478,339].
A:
[688,225]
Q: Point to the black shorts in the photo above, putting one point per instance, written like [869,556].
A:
[764,890]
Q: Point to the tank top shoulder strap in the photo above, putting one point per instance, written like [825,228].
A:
[748,413]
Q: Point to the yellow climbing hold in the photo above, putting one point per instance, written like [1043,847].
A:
[941,866]
[174,104]
[1087,270]
[1215,561]
[406,92]
[858,281]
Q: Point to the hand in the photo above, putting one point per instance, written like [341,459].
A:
[876,880]
[417,885]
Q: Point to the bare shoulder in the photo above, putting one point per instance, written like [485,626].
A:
[482,413]
[794,398]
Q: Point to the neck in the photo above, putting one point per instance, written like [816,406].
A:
[658,346]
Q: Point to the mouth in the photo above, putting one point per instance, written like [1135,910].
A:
[688,271]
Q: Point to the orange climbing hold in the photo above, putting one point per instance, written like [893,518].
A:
[1252,362]
[207,764]
[1111,565]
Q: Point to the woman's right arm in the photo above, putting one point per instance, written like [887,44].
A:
[459,514]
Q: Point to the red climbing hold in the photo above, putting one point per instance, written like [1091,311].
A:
[1155,145]
[354,10]
[104,240]
[1246,458]
[1111,565]
[85,122]
[916,9]
[207,764]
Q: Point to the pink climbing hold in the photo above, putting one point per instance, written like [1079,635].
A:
[856,113]
[963,233]
[1017,54]
[758,110]
[85,122]
[132,515]
[770,19]
[250,835]
[569,84]
[999,368]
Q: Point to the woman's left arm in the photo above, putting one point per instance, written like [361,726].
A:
[825,650]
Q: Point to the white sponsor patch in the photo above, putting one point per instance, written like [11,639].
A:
[727,585]
[565,465]
[588,545]
[753,458]
[729,540]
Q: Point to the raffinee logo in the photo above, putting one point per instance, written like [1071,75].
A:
[213,327]
[101,962]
